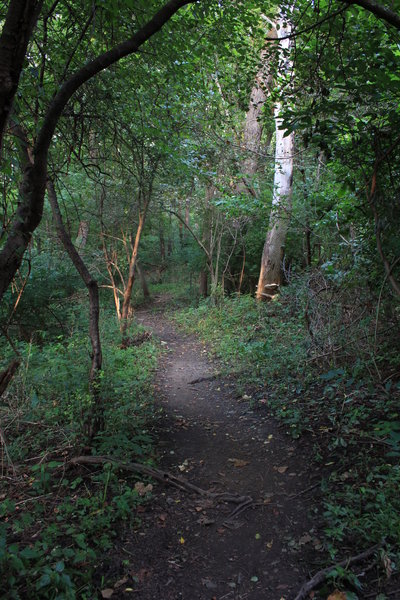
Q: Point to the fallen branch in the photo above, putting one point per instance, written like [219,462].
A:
[163,477]
[322,575]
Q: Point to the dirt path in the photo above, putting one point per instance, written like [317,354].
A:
[184,549]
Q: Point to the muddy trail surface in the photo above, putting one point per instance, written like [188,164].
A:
[194,548]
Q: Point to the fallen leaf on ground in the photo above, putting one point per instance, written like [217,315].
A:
[305,539]
[181,540]
[143,489]
[238,462]
[387,563]
[337,595]
[141,575]
[281,469]
[120,582]
[210,585]
[107,593]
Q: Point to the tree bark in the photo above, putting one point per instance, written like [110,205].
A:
[126,304]
[18,26]
[203,287]
[253,127]
[32,191]
[382,12]
[272,256]
[94,309]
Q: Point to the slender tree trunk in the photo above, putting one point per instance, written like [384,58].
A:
[187,216]
[274,247]
[126,304]
[96,422]
[206,241]
[162,243]
[204,283]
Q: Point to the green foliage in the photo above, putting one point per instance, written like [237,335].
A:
[253,334]
[52,549]
[285,367]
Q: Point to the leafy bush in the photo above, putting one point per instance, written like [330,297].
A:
[58,519]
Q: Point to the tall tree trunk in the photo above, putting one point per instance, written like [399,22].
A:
[187,216]
[206,241]
[162,242]
[253,126]
[95,423]
[274,247]
[126,304]
[19,23]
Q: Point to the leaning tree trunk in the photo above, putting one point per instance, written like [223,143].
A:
[126,304]
[274,247]
[95,424]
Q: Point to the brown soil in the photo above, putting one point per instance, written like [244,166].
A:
[190,548]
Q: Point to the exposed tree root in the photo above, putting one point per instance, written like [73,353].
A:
[168,479]
[322,575]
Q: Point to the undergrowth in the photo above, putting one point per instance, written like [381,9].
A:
[338,391]
[58,520]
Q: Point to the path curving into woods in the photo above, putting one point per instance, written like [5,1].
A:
[188,547]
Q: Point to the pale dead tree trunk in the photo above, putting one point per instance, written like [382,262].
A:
[253,126]
[95,424]
[274,247]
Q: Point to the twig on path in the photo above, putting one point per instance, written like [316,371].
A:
[311,487]
[163,477]
[322,575]
[248,503]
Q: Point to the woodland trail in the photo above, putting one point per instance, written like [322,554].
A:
[184,548]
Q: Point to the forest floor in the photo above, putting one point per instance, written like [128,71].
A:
[191,547]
